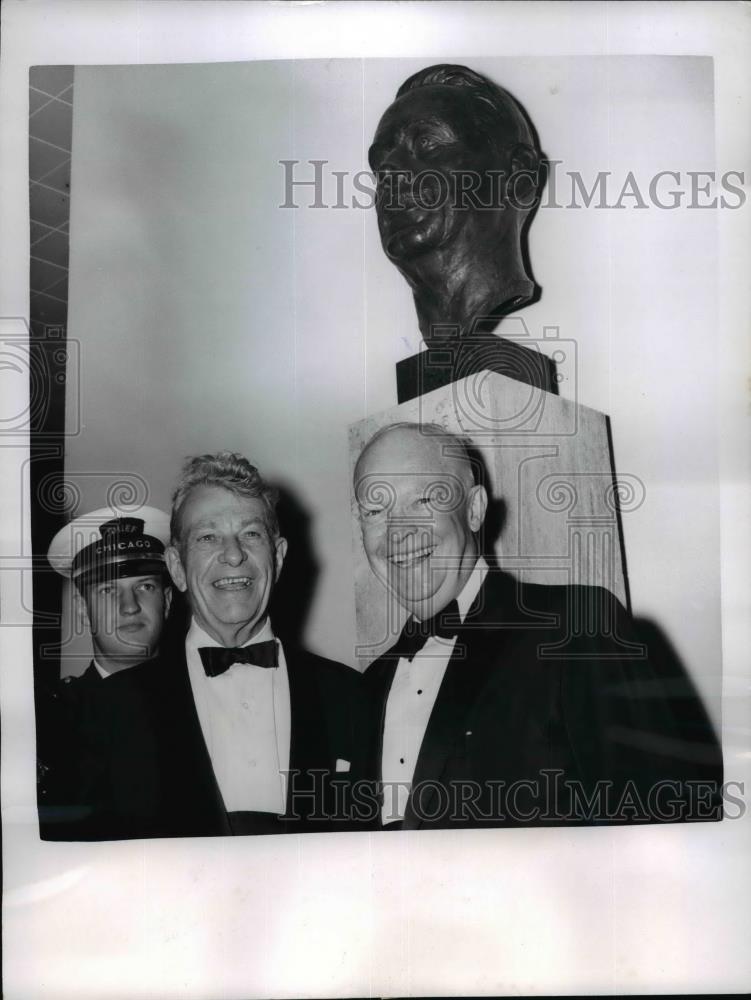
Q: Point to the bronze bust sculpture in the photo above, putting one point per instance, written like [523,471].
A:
[457,166]
[458,175]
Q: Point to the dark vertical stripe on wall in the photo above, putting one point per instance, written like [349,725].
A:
[50,133]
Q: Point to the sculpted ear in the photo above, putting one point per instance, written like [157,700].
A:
[175,567]
[477,505]
[524,157]
[526,176]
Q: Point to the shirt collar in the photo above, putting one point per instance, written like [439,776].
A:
[471,588]
[102,671]
[196,636]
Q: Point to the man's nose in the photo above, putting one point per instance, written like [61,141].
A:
[128,603]
[401,531]
[232,553]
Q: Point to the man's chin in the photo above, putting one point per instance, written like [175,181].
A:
[228,613]
[416,600]
[125,651]
[238,617]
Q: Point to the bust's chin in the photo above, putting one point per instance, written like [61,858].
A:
[413,240]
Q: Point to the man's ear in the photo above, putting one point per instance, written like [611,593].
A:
[167,599]
[79,609]
[175,567]
[280,546]
[477,505]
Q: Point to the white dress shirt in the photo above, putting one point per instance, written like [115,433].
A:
[245,720]
[410,703]
[103,673]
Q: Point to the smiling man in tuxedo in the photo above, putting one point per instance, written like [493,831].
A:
[269,726]
[503,704]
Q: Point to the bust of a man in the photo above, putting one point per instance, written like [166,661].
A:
[457,167]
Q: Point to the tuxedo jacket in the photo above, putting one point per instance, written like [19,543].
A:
[138,766]
[325,721]
[549,713]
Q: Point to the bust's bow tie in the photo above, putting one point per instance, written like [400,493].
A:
[217,659]
[444,625]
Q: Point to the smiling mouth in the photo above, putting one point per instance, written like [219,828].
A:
[233,583]
[406,560]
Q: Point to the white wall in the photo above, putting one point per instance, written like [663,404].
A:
[209,317]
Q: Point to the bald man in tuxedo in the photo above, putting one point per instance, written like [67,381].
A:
[504,704]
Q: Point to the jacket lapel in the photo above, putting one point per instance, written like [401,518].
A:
[474,656]
[309,742]
[446,732]
[206,804]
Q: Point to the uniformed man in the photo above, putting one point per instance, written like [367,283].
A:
[110,767]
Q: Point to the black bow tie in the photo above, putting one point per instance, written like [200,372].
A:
[217,659]
[444,625]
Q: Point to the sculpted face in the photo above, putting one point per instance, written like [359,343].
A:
[126,617]
[228,562]
[428,134]
[419,512]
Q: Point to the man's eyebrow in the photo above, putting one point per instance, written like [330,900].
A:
[210,522]
[205,522]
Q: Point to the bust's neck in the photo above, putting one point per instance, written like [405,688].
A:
[465,288]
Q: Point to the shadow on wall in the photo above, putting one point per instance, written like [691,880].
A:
[293,594]
[694,723]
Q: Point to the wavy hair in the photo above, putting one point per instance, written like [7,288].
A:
[232,472]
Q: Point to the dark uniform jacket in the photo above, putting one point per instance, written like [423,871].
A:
[111,772]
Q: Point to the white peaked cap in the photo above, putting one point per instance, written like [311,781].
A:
[132,537]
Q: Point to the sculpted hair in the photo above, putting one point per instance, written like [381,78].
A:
[496,111]
[232,472]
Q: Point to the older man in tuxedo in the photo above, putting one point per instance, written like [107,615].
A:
[502,704]
[269,728]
